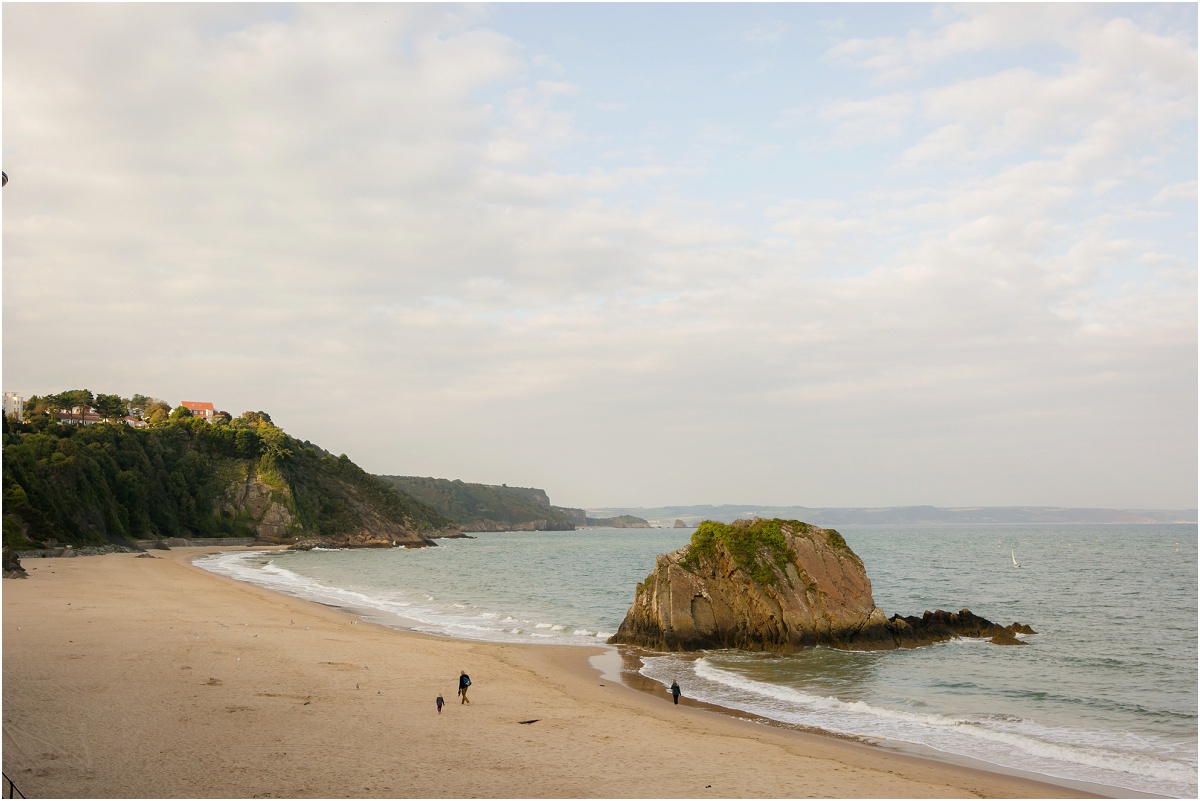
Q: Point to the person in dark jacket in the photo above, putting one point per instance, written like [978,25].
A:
[440,702]
[675,691]
[464,682]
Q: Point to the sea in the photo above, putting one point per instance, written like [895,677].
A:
[1104,694]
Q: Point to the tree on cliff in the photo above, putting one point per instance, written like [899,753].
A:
[60,402]
[157,413]
[88,485]
[110,407]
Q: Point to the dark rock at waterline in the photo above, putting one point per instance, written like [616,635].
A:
[778,585]
[940,626]
[12,565]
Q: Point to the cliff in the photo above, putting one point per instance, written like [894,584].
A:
[580,518]
[777,585]
[108,483]
[485,507]
[620,521]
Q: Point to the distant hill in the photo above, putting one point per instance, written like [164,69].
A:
[898,515]
[111,484]
[484,507]
[487,507]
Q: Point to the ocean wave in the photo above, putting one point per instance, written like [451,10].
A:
[1106,757]
[419,611]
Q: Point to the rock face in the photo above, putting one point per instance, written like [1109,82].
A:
[12,565]
[269,510]
[777,585]
[255,499]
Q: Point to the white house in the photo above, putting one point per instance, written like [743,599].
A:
[14,405]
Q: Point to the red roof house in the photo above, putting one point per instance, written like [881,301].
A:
[199,408]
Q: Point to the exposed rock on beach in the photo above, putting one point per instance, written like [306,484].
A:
[778,585]
[12,565]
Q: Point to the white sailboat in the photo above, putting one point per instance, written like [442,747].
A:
[1014,558]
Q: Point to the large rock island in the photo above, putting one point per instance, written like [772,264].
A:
[778,585]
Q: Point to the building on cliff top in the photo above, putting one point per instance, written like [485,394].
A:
[14,405]
[199,408]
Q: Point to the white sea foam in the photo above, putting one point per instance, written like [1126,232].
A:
[1097,756]
[419,611]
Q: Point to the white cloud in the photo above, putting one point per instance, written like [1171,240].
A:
[959,30]
[383,214]
[856,121]
[1176,192]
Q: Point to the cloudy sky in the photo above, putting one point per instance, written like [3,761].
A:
[633,254]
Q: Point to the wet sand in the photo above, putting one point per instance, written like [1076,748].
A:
[137,677]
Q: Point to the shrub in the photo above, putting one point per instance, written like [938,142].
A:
[757,548]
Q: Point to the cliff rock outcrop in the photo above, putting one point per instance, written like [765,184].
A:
[777,585]
[271,512]
[254,499]
[12,565]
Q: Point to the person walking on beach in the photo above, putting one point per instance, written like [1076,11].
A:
[675,691]
[440,702]
[464,681]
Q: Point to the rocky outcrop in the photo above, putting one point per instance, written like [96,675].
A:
[940,626]
[12,565]
[270,511]
[266,508]
[777,585]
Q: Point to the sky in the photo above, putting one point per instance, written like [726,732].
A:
[633,254]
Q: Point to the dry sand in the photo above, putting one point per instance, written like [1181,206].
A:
[135,677]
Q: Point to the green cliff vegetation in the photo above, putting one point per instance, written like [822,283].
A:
[758,547]
[485,507]
[187,477]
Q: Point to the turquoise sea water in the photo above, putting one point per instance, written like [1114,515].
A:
[1104,693]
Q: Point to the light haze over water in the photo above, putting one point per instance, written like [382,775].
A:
[1104,693]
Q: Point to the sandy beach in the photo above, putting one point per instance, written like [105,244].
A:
[137,677]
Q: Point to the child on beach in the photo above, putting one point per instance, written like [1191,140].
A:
[440,702]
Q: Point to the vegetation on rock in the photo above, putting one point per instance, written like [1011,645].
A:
[758,547]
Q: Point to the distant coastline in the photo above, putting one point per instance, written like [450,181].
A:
[901,515]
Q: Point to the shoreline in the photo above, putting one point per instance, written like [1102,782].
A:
[226,689]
